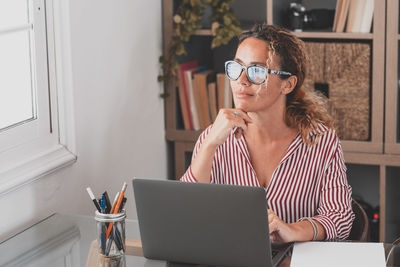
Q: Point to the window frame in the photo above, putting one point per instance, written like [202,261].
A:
[28,161]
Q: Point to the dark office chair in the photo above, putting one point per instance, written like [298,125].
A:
[393,254]
[360,229]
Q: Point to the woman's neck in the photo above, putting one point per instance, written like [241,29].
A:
[270,126]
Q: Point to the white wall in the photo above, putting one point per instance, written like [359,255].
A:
[118,114]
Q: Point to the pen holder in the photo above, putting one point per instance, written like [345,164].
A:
[111,239]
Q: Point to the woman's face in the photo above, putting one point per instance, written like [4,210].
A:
[251,97]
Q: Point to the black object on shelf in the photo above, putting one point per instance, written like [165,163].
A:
[315,19]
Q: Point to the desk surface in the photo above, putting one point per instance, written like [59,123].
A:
[65,240]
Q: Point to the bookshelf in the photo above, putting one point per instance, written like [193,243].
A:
[379,153]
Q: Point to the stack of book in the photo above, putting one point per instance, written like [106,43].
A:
[353,16]
[201,94]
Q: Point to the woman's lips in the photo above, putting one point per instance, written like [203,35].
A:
[243,95]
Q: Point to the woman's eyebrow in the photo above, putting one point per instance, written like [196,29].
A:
[251,63]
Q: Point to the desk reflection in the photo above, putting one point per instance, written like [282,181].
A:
[65,240]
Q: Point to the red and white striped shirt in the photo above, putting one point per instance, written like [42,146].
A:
[310,181]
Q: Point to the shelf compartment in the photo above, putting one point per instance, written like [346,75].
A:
[364,180]
[392,225]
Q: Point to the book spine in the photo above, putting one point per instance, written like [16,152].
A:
[193,107]
[212,100]
[184,107]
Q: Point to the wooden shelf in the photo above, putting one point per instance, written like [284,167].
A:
[334,35]
[205,32]
[314,35]
[372,159]
[182,135]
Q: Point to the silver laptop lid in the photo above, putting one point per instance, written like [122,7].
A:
[203,223]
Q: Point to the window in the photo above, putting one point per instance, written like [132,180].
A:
[35,125]
[16,96]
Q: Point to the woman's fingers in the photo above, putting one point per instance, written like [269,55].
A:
[242,114]
[279,230]
[226,120]
[272,221]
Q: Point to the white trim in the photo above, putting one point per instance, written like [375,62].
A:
[16,28]
[64,77]
[44,245]
[16,174]
[35,168]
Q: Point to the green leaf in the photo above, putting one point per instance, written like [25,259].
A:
[164,95]
[227,20]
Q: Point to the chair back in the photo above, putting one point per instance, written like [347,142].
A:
[360,229]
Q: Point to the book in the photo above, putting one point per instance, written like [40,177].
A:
[212,100]
[342,15]
[337,12]
[366,21]
[183,105]
[183,94]
[227,93]
[354,19]
[220,90]
[201,80]
[190,89]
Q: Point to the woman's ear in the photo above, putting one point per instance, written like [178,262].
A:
[289,84]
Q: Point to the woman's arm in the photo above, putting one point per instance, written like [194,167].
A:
[334,215]
[211,138]
[282,232]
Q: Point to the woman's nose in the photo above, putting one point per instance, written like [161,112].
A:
[243,79]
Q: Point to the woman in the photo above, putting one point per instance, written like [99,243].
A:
[280,138]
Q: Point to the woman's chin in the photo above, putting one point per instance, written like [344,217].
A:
[245,108]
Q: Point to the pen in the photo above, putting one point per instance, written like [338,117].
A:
[114,202]
[122,204]
[93,198]
[108,203]
[103,234]
[121,196]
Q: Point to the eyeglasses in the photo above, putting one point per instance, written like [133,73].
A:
[256,74]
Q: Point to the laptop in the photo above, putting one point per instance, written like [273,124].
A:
[199,223]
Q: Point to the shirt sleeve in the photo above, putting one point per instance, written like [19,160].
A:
[188,175]
[334,212]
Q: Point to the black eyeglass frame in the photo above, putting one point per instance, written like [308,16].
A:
[268,71]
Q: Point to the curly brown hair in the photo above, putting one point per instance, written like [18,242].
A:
[306,111]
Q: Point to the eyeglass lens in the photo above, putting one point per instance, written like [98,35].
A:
[255,74]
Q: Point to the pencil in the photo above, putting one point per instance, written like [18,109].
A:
[121,196]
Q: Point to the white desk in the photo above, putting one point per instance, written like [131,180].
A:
[64,240]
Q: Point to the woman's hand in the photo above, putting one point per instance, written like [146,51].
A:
[279,231]
[226,120]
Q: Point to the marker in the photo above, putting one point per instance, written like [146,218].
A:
[93,198]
